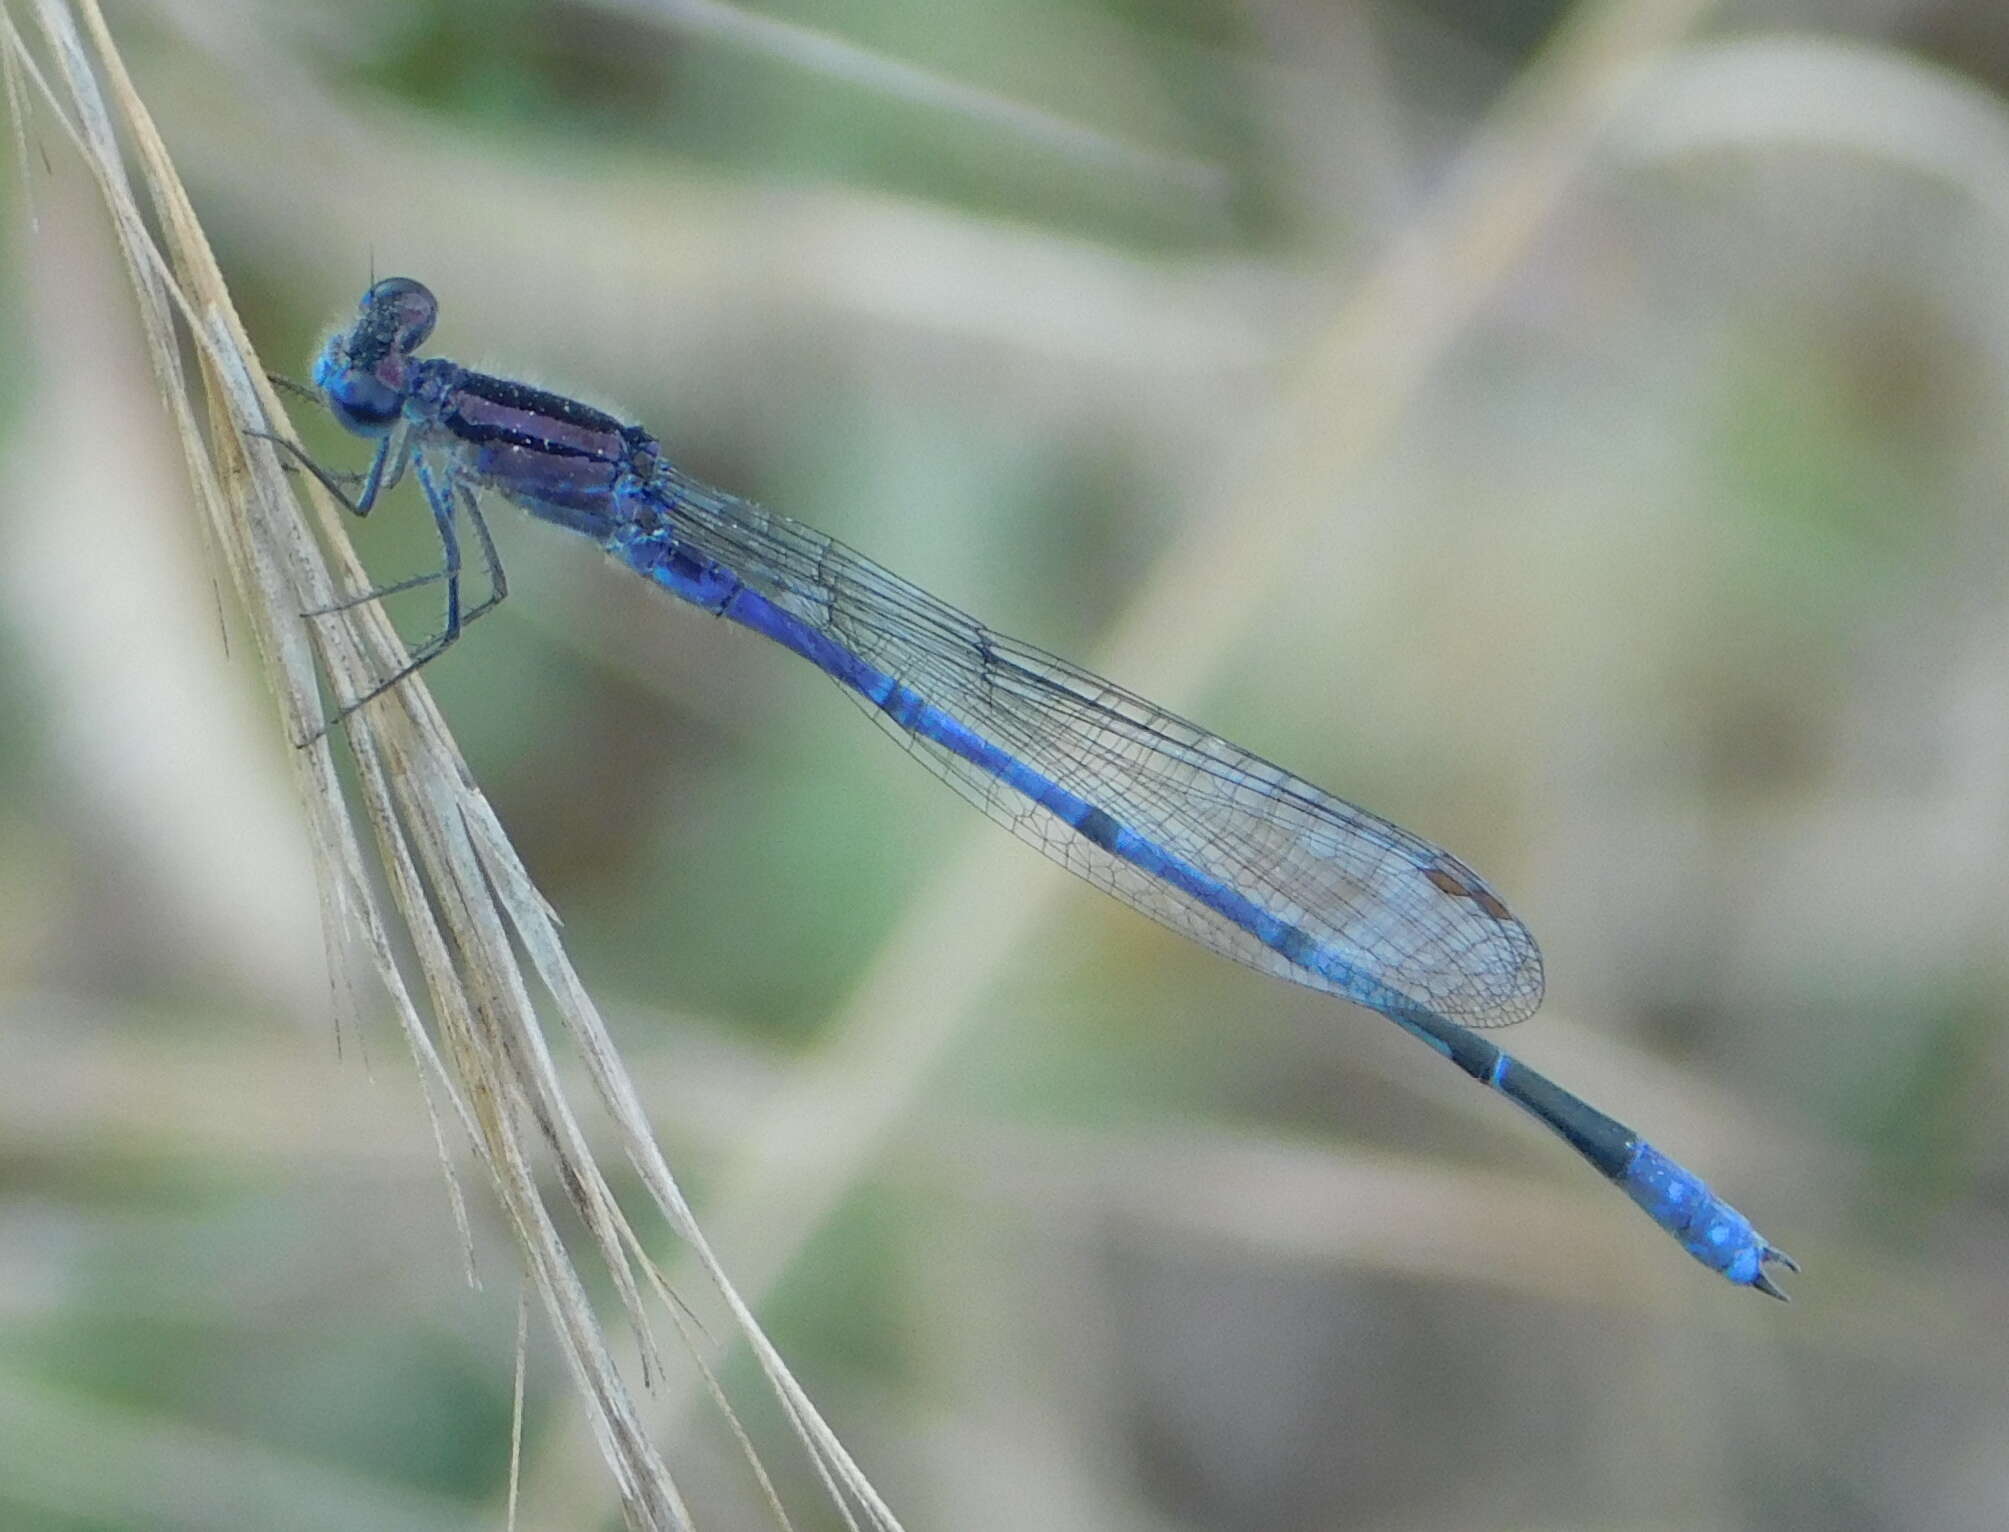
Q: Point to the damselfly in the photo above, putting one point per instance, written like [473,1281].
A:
[1194,831]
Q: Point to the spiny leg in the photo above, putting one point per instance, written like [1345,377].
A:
[397,441]
[375,481]
[294,457]
[295,387]
[378,592]
[440,496]
[498,581]
[443,494]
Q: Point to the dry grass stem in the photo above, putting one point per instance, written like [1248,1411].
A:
[457,893]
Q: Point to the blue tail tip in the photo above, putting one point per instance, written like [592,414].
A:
[1709,1229]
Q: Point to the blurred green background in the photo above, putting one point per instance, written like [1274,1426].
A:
[1643,543]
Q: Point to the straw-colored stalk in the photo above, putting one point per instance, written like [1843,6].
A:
[486,943]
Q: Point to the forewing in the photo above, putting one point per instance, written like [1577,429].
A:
[1395,908]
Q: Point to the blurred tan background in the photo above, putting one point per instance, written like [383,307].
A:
[1574,431]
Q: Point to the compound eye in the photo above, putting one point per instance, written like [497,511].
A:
[404,309]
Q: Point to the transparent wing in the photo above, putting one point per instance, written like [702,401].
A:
[1396,908]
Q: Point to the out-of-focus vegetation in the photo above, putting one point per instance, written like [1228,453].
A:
[1572,431]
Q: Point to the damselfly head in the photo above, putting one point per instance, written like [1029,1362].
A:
[362,370]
